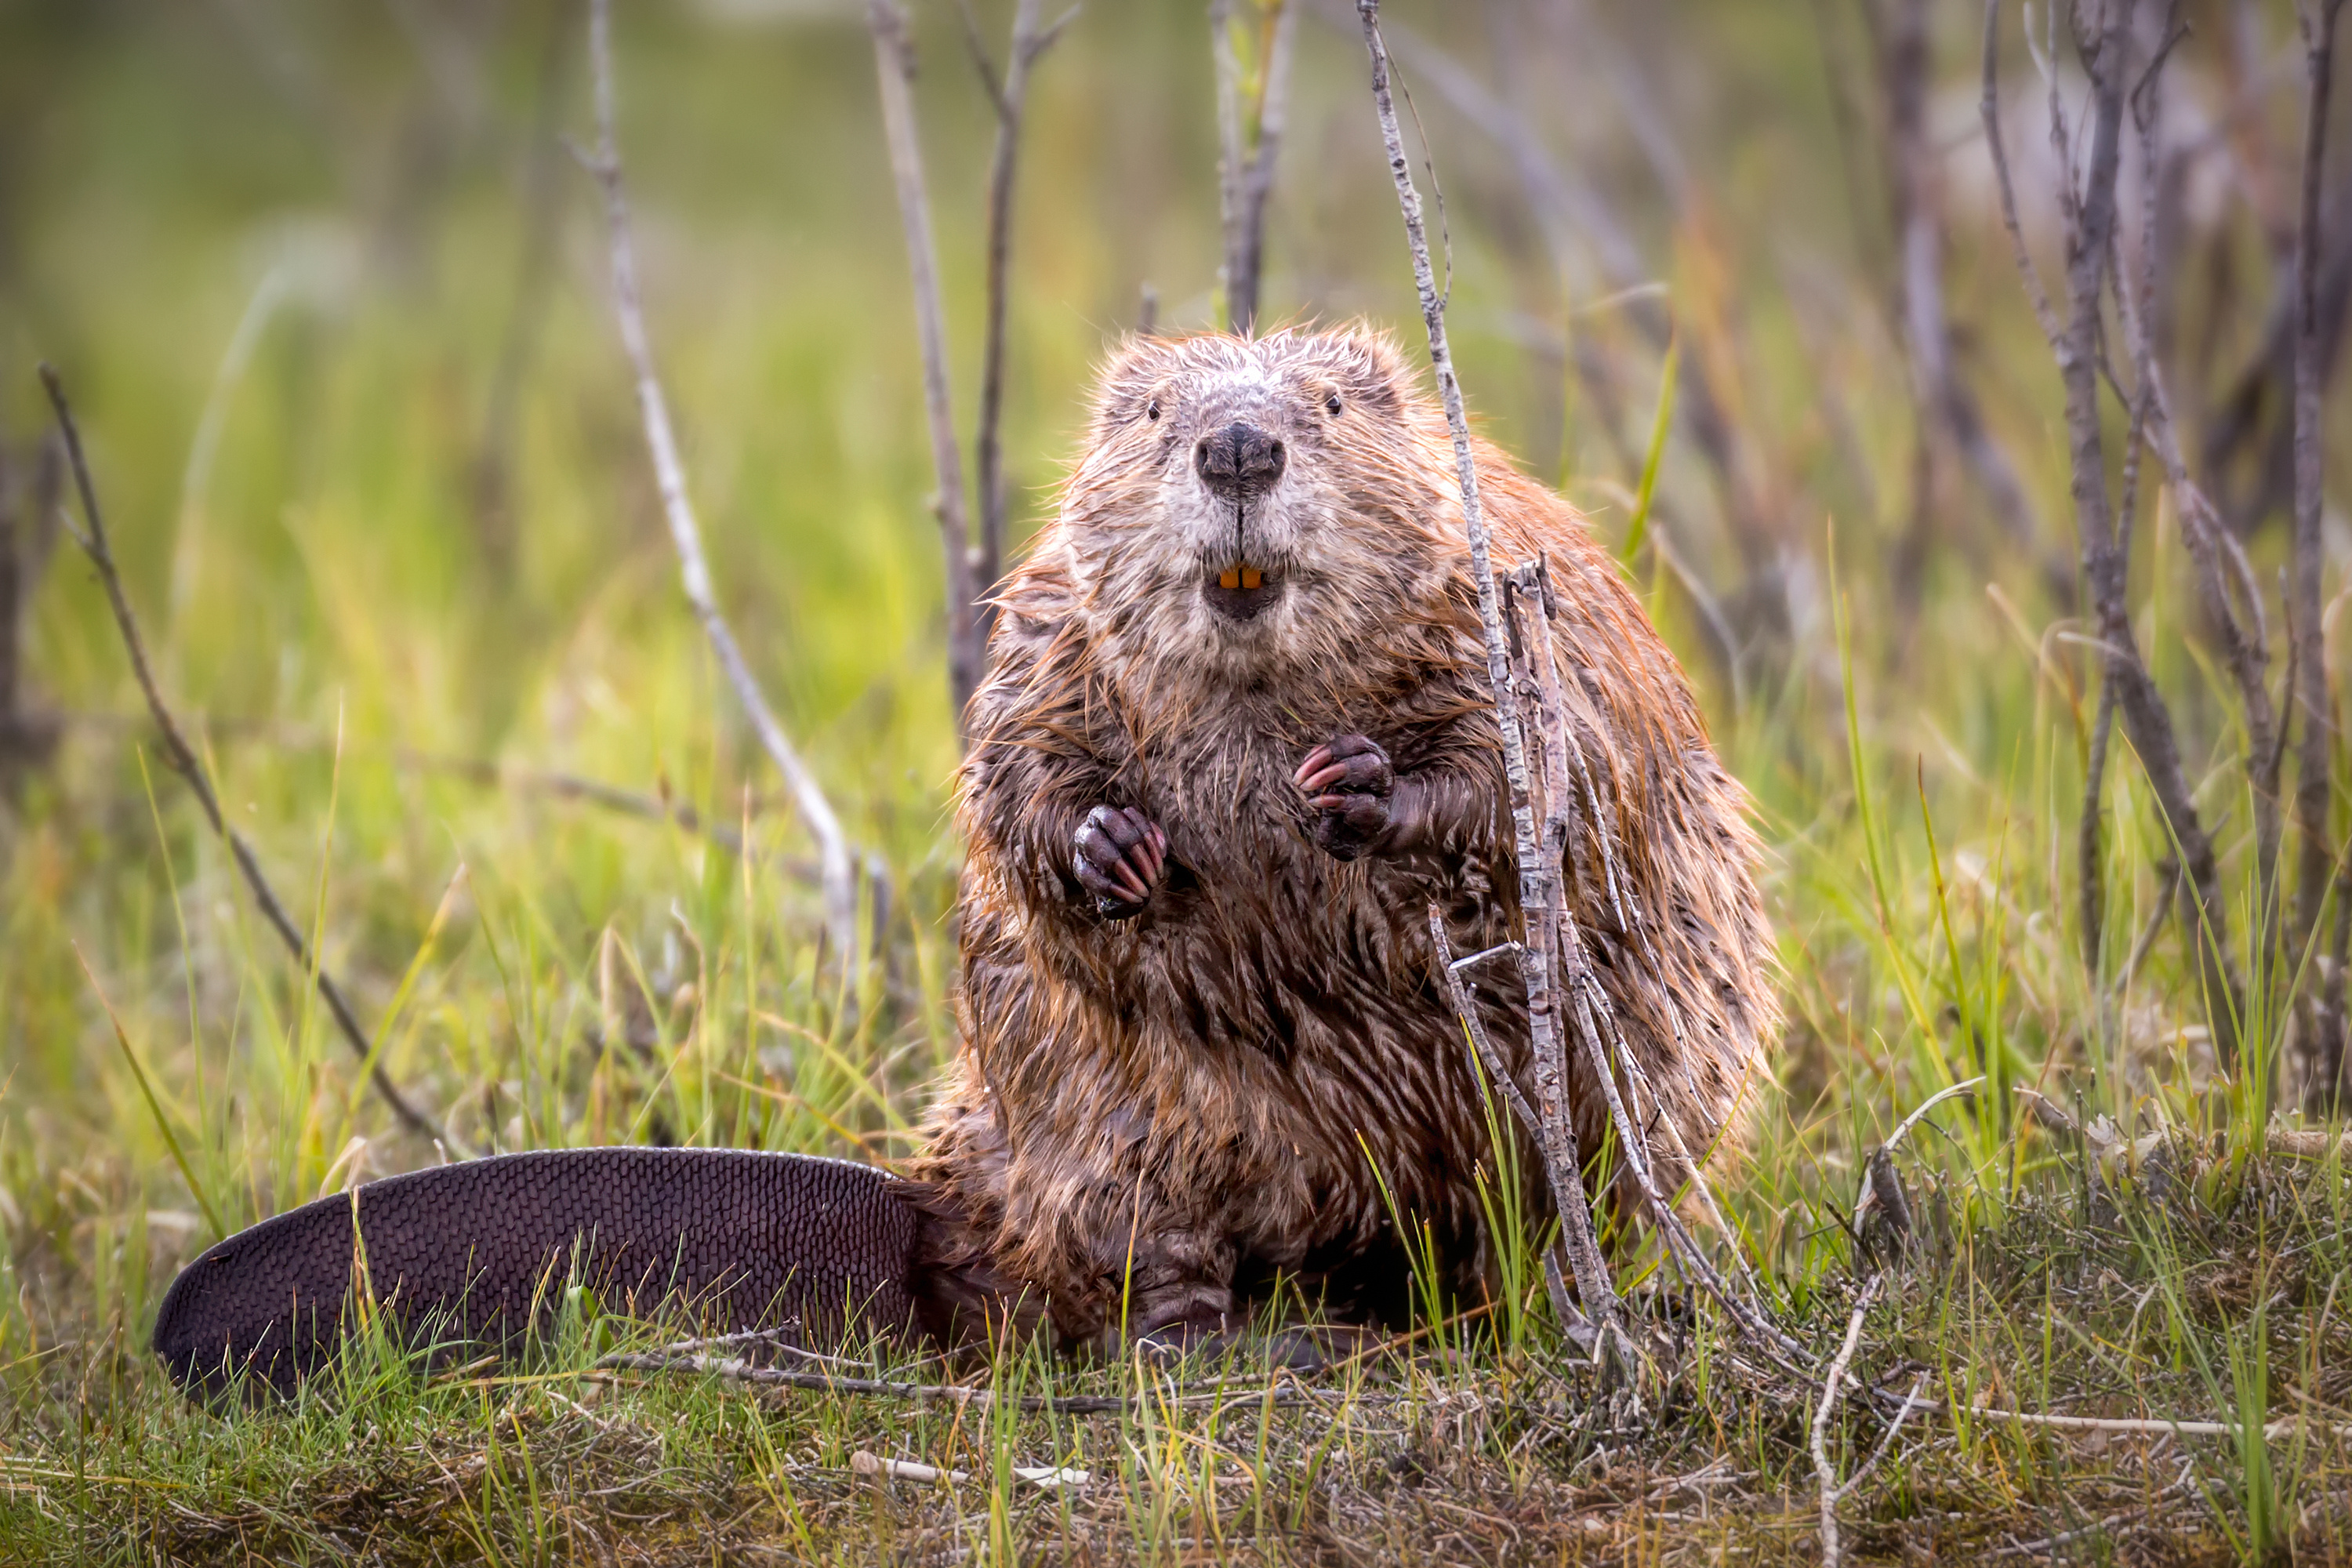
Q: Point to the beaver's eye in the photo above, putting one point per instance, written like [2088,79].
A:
[1151,409]
[1331,404]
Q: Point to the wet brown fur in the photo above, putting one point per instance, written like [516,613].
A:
[1151,1119]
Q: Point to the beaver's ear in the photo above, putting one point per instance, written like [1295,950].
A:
[1137,364]
[1373,366]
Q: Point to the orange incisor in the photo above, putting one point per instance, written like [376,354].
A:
[1241,577]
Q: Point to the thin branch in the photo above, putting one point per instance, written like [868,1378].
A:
[1249,138]
[1010,96]
[2212,548]
[2090,217]
[1989,110]
[1919,1113]
[1535,889]
[2154,1426]
[2315,861]
[840,880]
[1941,395]
[1557,1157]
[730,1369]
[894,65]
[1911,1402]
[1490,1060]
[1536,676]
[186,762]
[1832,1549]
[1573,214]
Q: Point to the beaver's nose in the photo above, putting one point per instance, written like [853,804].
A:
[1238,461]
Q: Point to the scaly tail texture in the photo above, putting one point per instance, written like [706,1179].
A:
[467,1255]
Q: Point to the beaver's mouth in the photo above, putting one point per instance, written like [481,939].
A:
[1241,592]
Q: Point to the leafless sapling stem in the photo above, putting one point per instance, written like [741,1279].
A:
[2315,751]
[1574,215]
[2335,1024]
[12,602]
[894,65]
[1562,785]
[1497,1072]
[1944,401]
[1009,95]
[1249,135]
[185,761]
[1551,1062]
[2090,226]
[839,874]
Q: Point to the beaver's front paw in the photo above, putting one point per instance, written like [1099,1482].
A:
[1121,853]
[1352,788]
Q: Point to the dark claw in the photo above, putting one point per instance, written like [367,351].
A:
[1120,856]
[1351,787]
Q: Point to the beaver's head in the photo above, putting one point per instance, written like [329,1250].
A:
[1246,507]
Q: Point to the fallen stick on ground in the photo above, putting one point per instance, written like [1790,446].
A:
[1832,1551]
[2156,1425]
[185,761]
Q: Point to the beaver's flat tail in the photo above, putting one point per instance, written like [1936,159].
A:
[471,1255]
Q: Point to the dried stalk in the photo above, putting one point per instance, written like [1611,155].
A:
[893,64]
[2314,753]
[1249,140]
[28,503]
[2090,221]
[185,761]
[1833,1551]
[1536,890]
[1572,213]
[1011,98]
[1941,395]
[1559,761]
[839,875]
[1562,1162]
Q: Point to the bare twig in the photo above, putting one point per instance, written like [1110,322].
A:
[2315,755]
[1832,1551]
[2212,548]
[2155,1427]
[1989,110]
[869,1464]
[729,1369]
[1010,94]
[1573,214]
[186,762]
[2090,218]
[894,65]
[1250,138]
[1536,890]
[840,880]
[1919,1114]
[1496,1072]
[1490,1060]
[1942,396]
[1544,715]
[1051,1477]
[28,500]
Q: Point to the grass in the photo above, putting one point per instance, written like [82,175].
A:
[330,592]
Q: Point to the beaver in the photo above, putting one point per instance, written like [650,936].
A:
[1238,735]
